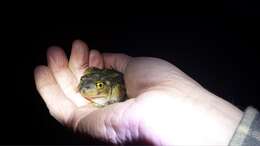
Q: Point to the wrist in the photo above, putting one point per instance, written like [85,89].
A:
[201,119]
[222,119]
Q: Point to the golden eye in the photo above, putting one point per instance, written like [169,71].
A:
[99,85]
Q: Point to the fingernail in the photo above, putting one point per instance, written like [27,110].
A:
[79,46]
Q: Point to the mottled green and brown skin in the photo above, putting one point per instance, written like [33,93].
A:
[102,86]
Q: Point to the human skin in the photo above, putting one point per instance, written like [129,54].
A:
[166,106]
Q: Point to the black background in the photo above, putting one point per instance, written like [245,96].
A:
[214,43]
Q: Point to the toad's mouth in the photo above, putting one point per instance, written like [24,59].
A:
[95,97]
[92,94]
[98,100]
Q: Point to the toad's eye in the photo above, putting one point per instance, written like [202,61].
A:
[99,85]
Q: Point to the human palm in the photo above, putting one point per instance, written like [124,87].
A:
[158,91]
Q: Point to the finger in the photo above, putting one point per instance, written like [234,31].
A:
[58,63]
[59,106]
[78,58]
[96,59]
[116,60]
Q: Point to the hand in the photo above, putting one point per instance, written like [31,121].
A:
[166,107]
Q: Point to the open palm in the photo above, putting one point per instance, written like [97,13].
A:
[158,91]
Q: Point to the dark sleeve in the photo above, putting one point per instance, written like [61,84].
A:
[248,130]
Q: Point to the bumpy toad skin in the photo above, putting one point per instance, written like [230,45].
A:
[102,86]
